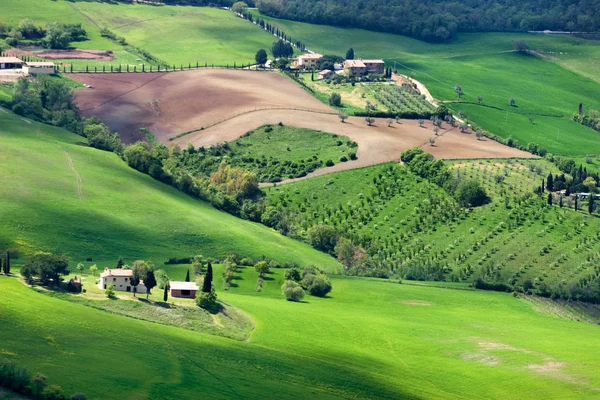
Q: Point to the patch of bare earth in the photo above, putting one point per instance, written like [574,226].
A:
[187,100]
[416,303]
[76,54]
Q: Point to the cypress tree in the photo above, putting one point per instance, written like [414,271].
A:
[207,285]
[560,201]
[549,198]
[542,187]
[580,109]
[120,262]
[591,204]
[576,205]
[2,264]
[550,182]
[166,293]
[7,264]
[187,276]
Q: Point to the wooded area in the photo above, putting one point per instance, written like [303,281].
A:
[441,20]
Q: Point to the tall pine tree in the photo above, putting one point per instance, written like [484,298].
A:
[591,204]
[549,198]
[166,293]
[207,285]
[187,276]
[7,264]
[550,183]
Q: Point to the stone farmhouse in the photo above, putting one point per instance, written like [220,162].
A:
[362,67]
[120,279]
[308,61]
[183,289]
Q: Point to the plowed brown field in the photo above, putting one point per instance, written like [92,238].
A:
[229,103]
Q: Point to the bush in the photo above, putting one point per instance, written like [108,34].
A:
[78,396]
[14,377]
[18,109]
[335,100]
[470,193]
[262,267]
[207,301]
[53,392]
[317,285]
[110,291]
[352,156]
[292,291]
[246,261]
[329,163]
[292,274]
[343,158]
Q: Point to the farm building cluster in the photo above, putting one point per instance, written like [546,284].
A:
[355,68]
[14,65]
[121,279]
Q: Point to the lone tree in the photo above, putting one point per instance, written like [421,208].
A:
[343,117]
[478,135]
[580,109]
[120,262]
[511,102]
[459,91]
[432,141]
[187,276]
[261,57]
[335,100]
[166,293]
[479,99]
[207,284]
[549,198]
[149,282]
[370,121]
[350,54]
[239,8]
[521,46]
[93,270]
[531,119]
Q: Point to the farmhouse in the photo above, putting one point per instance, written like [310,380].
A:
[39,68]
[10,63]
[308,61]
[120,279]
[183,289]
[326,73]
[361,67]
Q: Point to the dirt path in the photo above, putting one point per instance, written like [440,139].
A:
[78,180]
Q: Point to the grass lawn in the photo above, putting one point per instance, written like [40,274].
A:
[59,195]
[369,339]
[545,90]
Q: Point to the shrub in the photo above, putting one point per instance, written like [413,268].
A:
[53,392]
[322,237]
[110,291]
[335,100]
[343,158]
[352,156]
[470,193]
[78,396]
[292,274]
[14,377]
[246,261]
[207,301]
[262,267]
[18,109]
[317,285]
[292,291]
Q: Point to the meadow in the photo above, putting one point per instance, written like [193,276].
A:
[212,36]
[60,195]
[368,339]
[416,231]
[486,65]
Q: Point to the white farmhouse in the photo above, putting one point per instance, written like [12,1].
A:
[120,279]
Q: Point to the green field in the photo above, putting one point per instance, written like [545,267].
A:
[274,153]
[484,65]
[98,207]
[175,34]
[370,339]
[413,228]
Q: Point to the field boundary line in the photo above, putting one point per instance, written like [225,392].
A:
[78,180]
[180,135]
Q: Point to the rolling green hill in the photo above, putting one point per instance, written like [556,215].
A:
[486,65]
[59,195]
[413,230]
[174,34]
[369,339]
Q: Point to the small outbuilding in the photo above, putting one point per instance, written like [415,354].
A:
[10,63]
[326,73]
[39,68]
[183,289]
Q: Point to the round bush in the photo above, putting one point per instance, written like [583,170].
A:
[292,291]
[317,285]
[329,163]
[292,274]
[343,159]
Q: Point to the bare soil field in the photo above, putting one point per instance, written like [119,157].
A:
[74,54]
[170,103]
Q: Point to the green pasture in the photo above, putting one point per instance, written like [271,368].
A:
[369,339]
[59,195]
[486,65]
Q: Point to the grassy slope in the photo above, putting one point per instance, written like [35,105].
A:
[370,339]
[120,211]
[177,35]
[342,200]
[478,63]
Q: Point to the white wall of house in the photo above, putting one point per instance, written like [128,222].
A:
[38,70]
[120,283]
